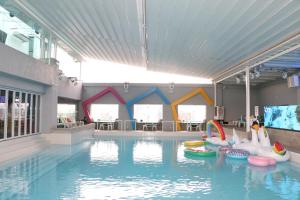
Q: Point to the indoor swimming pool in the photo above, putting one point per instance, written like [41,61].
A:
[141,168]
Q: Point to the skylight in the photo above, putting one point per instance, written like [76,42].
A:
[95,71]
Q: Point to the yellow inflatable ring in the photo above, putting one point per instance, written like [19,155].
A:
[193,143]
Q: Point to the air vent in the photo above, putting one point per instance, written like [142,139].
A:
[293,81]
[21,36]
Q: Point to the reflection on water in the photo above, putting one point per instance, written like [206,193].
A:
[139,188]
[147,152]
[142,168]
[105,151]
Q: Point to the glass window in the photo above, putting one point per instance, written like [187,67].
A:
[33,113]
[66,111]
[18,35]
[192,113]
[23,113]
[28,117]
[2,112]
[38,114]
[148,112]
[16,116]
[10,114]
[19,114]
[105,112]
[67,64]
[132,74]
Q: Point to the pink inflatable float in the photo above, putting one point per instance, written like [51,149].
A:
[261,161]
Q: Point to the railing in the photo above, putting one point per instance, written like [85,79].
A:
[168,126]
[127,125]
[164,126]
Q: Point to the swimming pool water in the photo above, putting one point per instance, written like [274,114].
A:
[141,168]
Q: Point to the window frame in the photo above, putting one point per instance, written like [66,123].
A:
[13,109]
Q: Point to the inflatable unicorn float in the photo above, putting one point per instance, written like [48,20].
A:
[260,144]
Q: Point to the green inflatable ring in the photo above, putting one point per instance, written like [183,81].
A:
[207,153]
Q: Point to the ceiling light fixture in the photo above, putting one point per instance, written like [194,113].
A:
[73,80]
[60,74]
[126,86]
[284,74]
[238,80]
[252,75]
[244,77]
[257,71]
[171,87]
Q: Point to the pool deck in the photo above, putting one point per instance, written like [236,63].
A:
[148,133]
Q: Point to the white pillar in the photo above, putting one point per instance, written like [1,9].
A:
[54,48]
[42,45]
[49,49]
[215,93]
[247,81]
[80,72]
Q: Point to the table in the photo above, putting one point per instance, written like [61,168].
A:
[145,126]
[194,125]
[101,125]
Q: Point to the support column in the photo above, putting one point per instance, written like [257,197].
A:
[49,49]
[80,68]
[42,46]
[54,48]
[247,82]
[215,94]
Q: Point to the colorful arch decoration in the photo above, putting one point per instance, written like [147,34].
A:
[87,102]
[153,90]
[197,91]
[216,125]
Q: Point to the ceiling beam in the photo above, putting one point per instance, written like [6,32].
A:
[290,44]
[32,13]
[141,10]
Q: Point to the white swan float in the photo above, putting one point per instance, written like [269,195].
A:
[260,145]
[250,146]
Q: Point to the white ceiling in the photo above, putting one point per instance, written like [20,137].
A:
[193,37]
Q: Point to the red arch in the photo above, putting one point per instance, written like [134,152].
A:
[90,100]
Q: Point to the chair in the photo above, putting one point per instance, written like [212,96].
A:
[100,125]
[154,126]
[110,126]
[145,127]
[199,127]
[188,127]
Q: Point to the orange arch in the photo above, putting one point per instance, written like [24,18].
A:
[197,91]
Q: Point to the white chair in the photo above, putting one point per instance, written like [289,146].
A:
[188,127]
[145,127]
[101,126]
[154,126]
[199,127]
[110,126]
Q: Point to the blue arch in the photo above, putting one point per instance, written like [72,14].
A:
[153,90]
